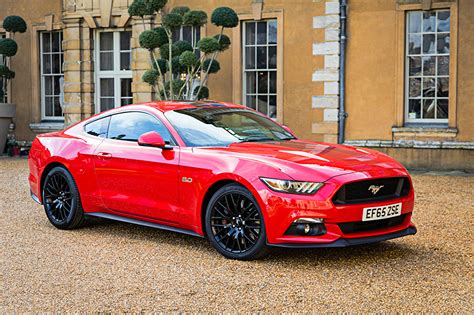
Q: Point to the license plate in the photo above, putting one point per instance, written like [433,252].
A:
[382,212]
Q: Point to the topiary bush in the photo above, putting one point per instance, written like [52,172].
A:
[185,64]
[14,24]
[8,47]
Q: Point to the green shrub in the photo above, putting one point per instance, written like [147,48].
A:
[150,39]
[14,24]
[214,66]
[224,42]
[140,8]
[177,85]
[172,20]
[188,59]
[162,63]
[156,5]
[203,94]
[8,47]
[178,67]
[208,45]
[150,76]
[195,18]
[164,51]
[225,17]
[180,10]
[183,46]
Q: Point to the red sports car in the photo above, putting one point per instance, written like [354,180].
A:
[221,171]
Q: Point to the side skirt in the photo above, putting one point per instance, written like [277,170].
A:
[142,223]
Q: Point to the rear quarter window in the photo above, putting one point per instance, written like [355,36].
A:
[98,128]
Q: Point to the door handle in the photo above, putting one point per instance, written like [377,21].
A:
[104,155]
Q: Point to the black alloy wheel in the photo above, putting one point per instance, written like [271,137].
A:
[61,200]
[235,225]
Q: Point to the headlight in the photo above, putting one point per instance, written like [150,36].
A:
[291,186]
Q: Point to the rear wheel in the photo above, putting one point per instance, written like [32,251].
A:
[234,224]
[61,200]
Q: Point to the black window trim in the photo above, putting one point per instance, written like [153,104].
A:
[174,144]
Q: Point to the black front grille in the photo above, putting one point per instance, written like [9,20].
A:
[361,226]
[365,191]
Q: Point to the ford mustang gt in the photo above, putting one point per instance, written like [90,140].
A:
[220,171]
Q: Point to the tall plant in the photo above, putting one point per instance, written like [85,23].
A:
[177,72]
[8,48]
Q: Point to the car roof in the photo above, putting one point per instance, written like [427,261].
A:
[165,106]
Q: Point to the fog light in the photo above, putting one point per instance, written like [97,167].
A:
[307,227]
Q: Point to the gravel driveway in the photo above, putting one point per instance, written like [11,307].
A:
[109,266]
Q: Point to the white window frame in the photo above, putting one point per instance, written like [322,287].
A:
[115,74]
[42,76]
[244,70]
[421,55]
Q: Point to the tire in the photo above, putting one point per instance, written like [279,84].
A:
[61,200]
[234,224]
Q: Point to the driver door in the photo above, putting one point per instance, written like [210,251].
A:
[135,180]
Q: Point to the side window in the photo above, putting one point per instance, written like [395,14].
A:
[130,126]
[98,128]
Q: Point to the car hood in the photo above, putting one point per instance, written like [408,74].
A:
[305,160]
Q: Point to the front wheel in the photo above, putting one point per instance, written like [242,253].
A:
[234,224]
[61,200]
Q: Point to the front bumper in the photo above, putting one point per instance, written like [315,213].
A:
[345,242]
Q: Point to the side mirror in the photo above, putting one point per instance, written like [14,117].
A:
[153,139]
[289,130]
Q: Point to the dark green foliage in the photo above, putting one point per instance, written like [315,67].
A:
[225,17]
[140,8]
[180,10]
[162,34]
[183,46]
[172,20]
[203,94]
[14,24]
[195,18]
[10,75]
[2,94]
[151,39]
[8,47]
[208,45]
[177,85]
[156,5]
[224,42]
[164,51]
[163,64]
[150,76]
[177,66]
[214,66]
[4,71]
[188,59]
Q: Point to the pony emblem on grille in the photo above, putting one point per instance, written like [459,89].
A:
[374,189]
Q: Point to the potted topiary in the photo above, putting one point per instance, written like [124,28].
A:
[8,49]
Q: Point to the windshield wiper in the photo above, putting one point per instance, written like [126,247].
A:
[256,139]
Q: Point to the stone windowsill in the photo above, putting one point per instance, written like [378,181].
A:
[428,132]
[415,144]
[48,126]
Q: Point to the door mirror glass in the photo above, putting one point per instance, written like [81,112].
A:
[153,139]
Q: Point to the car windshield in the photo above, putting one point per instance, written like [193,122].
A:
[205,127]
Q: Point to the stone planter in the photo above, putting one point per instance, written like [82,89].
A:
[7,112]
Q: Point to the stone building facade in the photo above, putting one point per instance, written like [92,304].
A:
[80,57]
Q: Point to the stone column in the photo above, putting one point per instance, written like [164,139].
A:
[87,71]
[72,106]
[329,74]
[142,92]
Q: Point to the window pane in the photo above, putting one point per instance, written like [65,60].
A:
[250,33]
[429,65]
[414,22]
[187,33]
[126,87]
[130,126]
[176,34]
[251,101]
[125,38]
[98,128]
[56,85]
[414,66]
[250,58]
[272,106]
[56,42]
[443,65]
[126,101]
[46,42]
[262,82]
[106,41]
[442,109]
[272,32]
[106,61]
[443,87]
[47,64]
[57,107]
[48,85]
[428,87]
[250,82]
[429,108]
[125,59]
[428,43]
[414,109]
[429,20]
[263,104]
[443,21]
[272,57]
[261,32]
[443,44]
[48,106]
[261,57]
[273,82]
[56,63]
[414,44]
[415,87]
[106,104]
[107,87]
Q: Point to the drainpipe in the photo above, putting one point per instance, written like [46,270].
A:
[342,71]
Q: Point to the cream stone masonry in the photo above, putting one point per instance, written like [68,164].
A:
[329,74]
